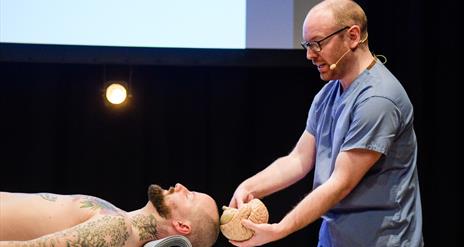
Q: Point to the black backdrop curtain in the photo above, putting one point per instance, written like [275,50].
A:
[211,126]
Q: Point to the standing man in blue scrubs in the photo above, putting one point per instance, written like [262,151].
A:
[360,140]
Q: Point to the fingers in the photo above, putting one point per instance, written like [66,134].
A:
[241,196]
[236,202]
[240,203]
[250,197]
[247,243]
[233,203]
[248,224]
[240,244]
[235,243]
[250,242]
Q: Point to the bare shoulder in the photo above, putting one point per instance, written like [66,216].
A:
[96,204]
[27,196]
[4,194]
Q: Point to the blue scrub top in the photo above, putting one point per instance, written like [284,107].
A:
[374,113]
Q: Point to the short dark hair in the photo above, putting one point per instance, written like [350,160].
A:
[205,229]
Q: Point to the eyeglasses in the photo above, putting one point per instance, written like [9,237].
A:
[316,45]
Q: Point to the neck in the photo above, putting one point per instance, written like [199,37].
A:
[148,225]
[361,60]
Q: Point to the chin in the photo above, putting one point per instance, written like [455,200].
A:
[325,77]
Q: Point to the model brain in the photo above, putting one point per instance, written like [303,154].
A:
[231,225]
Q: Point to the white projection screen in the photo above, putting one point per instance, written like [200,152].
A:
[137,23]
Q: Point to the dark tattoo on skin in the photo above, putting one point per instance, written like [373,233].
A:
[48,196]
[146,225]
[41,242]
[108,231]
[95,203]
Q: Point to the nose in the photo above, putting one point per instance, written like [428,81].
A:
[179,187]
[310,54]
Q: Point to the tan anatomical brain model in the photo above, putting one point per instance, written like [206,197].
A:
[231,225]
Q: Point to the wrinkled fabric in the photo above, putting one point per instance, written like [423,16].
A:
[373,113]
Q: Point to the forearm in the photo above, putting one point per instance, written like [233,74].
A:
[312,207]
[50,240]
[349,169]
[102,231]
[22,244]
[282,173]
[39,242]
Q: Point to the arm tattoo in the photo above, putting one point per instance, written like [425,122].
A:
[146,226]
[95,203]
[107,231]
[48,196]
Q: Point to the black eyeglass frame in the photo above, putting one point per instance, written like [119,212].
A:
[316,45]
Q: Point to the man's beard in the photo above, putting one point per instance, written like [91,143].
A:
[156,197]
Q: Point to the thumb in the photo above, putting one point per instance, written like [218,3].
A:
[248,224]
[250,197]
[233,203]
[247,199]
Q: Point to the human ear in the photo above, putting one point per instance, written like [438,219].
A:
[183,228]
[354,35]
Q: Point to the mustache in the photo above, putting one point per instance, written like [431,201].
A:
[157,198]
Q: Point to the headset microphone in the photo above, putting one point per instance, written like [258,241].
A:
[334,65]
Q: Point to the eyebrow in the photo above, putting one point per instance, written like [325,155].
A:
[316,37]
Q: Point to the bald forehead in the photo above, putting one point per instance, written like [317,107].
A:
[208,204]
[341,12]
[330,4]
[329,15]
[319,17]
[318,22]
[206,201]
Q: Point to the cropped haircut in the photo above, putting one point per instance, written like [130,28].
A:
[348,13]
[205,230]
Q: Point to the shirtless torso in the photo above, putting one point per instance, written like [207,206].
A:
[75,220]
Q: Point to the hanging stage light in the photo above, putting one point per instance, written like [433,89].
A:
[116,93]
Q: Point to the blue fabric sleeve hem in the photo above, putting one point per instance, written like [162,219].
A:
[372,147]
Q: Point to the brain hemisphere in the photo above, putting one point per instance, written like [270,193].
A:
[231,226]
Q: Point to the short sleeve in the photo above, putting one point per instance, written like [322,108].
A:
[374,126]
[311,121]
